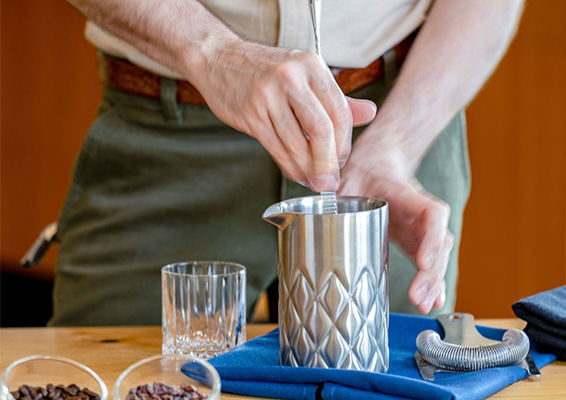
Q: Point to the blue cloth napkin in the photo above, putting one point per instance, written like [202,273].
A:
[545,314]
[253,369]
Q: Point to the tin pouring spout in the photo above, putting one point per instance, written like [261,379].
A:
[275,215]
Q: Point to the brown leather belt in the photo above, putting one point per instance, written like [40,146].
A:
[121,74]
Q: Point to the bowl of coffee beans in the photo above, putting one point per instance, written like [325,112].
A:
[168,377]
[51,378]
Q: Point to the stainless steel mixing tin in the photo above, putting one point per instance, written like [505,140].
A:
[333,292]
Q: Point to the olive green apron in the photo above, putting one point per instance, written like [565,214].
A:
[158,182]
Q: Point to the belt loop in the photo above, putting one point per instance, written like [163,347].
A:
[389,68]
[169,103]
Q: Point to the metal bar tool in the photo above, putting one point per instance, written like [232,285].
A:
[330,204]
[465,349]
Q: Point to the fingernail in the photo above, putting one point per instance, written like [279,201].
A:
[427,302]
[342,162]
[326,183]
[420,293]
[442,300]
[373,105]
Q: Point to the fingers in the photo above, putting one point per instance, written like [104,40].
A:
[363,111]
[317,124]
[428,286]
[420,223]
[311,120]
[441,298]
[434,222]
[266,133]
[334,102]
[345,112]
[294,143]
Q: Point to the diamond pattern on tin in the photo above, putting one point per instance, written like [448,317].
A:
[330,325]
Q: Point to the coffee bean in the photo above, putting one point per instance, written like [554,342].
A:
[52,392]
[72,390]
[37,393]
[189,388]
[161,391]
[90,393]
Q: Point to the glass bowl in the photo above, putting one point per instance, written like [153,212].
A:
[41,370]
[166,368]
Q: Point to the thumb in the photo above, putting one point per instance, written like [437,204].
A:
[363,111]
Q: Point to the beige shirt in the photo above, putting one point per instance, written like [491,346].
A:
[353,32]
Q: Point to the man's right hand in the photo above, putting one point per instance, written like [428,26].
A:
[289,101]
[274,95]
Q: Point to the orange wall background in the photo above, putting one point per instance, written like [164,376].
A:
[49,97]
[514,236]
[515,223]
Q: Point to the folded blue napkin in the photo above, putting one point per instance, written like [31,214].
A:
[253,369]
[545,314]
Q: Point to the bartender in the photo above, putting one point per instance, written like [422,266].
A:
[213,110]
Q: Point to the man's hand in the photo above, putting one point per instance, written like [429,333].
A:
[274,95]
[454,53]
[418,220]
[289,101]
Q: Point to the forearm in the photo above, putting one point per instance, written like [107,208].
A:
[455,52]
[181,34]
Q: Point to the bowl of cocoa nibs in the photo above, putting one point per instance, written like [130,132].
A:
[168,377]
[42,377]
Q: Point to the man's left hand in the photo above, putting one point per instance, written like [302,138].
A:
[418,220]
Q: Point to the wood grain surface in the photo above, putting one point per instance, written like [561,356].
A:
[109,350]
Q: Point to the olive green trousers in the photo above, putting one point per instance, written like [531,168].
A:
[158,182]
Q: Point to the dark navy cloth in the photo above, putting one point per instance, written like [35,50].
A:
[545,314]
[253,369]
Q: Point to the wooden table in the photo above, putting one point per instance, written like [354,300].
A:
[109,350]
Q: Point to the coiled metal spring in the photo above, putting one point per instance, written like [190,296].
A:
[453,357]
